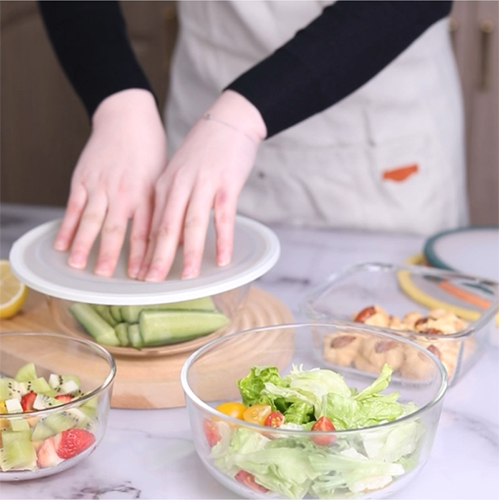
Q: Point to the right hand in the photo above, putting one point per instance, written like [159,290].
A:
[114,181]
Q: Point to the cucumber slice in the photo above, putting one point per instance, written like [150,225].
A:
[134,336]
[94,324]
[25,373]
[105,313]
[168,327]
[116,313]
[131,313]
[122,334]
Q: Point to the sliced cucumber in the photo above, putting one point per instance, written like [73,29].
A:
[122,334]
[116,313]
[94,324]
[134,336]
[105,313]
[131,314]
[168,327]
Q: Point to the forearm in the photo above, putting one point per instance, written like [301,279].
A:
[91,43]
[332,57]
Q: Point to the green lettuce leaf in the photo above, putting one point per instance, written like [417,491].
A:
[252,385]
[299,413]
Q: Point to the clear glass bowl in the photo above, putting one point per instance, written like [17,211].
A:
[228,303]
[402,289]
[208,378]
[62,355]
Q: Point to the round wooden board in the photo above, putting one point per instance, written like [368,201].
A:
[154,382]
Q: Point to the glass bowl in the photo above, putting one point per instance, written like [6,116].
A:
[43,442]
[255,461]
[399,297]
[170,328]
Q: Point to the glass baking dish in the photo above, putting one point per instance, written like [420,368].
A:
[450,314]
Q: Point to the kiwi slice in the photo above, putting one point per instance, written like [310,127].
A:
[17,453]
[25,373]
[11,389]
[20,424]
[38,385]
[42,401]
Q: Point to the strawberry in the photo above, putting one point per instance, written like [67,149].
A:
[27,401]
[64,398]
[72,442]
[46,455]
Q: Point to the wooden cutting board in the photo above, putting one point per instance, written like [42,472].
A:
[155,382]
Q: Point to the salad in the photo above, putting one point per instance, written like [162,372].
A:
[324,465]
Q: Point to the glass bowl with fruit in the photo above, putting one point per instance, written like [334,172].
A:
[54,400]
[278,421]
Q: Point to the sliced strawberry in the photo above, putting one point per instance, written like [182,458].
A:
[47,455]
[72,442]
[27,401]
[65,398]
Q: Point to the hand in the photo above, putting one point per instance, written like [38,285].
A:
[114,181]
[207,171]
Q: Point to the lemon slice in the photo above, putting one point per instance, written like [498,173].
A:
[12,292]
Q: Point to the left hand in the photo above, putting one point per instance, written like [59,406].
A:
[207,172]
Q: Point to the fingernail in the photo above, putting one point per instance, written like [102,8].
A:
[133,272]
[223,260]
[77,260]
[187,273]
[103,269]
[60,245]
[153,275]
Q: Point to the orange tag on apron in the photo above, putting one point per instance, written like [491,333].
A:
[400,174]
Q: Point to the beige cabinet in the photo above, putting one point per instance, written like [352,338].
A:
[44,126]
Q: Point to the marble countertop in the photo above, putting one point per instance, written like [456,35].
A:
[149,453]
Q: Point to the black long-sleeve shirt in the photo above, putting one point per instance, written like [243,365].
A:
[337,53]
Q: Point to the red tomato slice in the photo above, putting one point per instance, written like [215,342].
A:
[248,480]
[274,419]
[211,431]
[323,424]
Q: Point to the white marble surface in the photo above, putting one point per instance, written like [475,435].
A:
[149,453]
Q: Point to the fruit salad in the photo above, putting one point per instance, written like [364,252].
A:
[29,441]
[316,463]
[148,326]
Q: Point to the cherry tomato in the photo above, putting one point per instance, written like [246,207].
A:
[274,419]
[257,414]
[233,409]
[211,431]
[323,424]
[248,480]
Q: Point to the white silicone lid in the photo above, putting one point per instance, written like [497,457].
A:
[40,267]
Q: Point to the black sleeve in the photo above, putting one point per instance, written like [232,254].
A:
[90,40]
[333,56]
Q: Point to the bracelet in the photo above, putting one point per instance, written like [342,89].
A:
[212,118]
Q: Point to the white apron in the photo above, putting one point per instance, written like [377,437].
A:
[389,157]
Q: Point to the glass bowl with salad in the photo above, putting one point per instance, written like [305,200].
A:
[279,421]
[54,400]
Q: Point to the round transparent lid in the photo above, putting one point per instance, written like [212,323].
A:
[39,266]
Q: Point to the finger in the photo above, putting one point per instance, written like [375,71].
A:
[112,236]
[195,230]
[74,210]
[139,238]
[90,225]
[224,216]
[166,235]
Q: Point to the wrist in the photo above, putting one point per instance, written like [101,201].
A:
[131,103]
[238,112]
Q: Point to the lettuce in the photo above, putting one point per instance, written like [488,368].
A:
[252,385]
